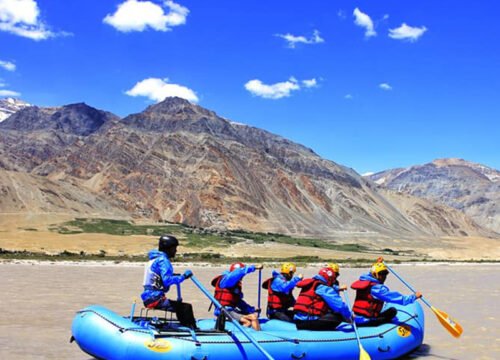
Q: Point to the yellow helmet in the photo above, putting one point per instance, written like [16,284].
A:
[335,267]
[377,268]
[288,267]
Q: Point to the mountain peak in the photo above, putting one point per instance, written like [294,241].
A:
[171,114]
[9,106]
[176,105]
[451,161]
[77,119]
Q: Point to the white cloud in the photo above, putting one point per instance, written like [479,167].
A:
[406,32]
[7,65]
[348,97]
[341,14]
[368,173]
[294,40]
[363,20]
[385,86]
[134,15]
[159,89]
[22,18]
[310,83]
[274,91]
[9,93]
[279,90]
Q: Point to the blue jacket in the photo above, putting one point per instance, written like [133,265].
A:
[282,285]
[231,279]
[382,292]
[158,276]
[331,295]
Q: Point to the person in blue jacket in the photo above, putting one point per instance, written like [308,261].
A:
[371,294]
[159,277]
[280,300]
[228,292]
[319,305]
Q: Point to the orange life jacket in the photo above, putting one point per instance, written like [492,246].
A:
[277,300]
[308,301]
[365,304]
[227,296]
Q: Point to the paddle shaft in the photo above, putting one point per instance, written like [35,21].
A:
[132,311]
[451,325]
[258,289]
[354,323]
[407,285]
[179,294]
[234,321]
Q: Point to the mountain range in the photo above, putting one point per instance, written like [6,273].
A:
[179,162]
[470,187]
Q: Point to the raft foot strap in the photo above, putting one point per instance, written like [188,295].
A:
[299,356]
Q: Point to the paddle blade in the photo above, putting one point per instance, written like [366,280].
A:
[363,355]
[449,323]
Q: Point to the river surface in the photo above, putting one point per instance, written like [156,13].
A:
[39,301]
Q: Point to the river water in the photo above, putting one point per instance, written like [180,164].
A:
[39,301]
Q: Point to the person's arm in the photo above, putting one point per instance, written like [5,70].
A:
[334,301]
[245,308]
[167,274]
[232,278]
[382,292]
[279,284]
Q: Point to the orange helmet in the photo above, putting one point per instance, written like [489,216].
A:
[329,275]
[236,265]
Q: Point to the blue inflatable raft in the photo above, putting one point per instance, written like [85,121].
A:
[104,334]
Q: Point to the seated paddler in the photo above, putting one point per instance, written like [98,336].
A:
[229,293]
[159,277]
[280,300]
[371,294]
[319,305]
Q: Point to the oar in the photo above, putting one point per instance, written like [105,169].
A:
[363,355]
[450,324]
[234,321]
[258,289]
[179,294]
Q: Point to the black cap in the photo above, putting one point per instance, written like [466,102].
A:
[166,242]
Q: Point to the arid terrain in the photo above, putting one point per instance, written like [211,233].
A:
[31,233]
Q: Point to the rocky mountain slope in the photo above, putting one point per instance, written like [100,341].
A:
[180,162]
[467,186]
[33,135]
[9,106]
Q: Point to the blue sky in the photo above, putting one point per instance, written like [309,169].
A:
[368,84]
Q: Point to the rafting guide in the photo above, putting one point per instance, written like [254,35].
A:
[159,277]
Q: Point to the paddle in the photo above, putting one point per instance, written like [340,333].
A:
[258,290]
[179,295]
[363,355]
[453,327]
[234,321]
